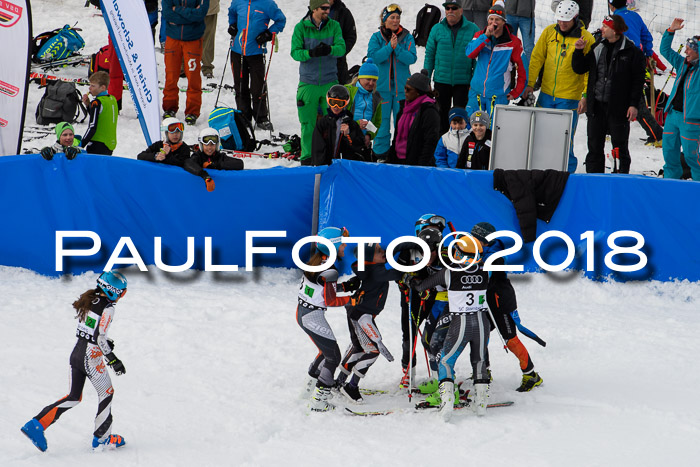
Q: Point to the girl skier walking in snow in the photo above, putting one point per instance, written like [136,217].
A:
[316,293]
[95,312]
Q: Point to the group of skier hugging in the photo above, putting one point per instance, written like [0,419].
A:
[455,300]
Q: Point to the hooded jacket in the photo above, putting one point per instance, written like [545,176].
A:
[186,21]
[449,147]
[691,89]
[253,17]
[328,144]
[393,64]
[317,70]
[364,105]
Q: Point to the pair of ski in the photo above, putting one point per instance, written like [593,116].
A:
[75,60]
[269,155]
[419,407]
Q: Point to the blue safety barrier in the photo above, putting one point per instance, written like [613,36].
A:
[116,197]
[385,200]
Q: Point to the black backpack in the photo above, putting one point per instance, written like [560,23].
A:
[428,16]
[61,102]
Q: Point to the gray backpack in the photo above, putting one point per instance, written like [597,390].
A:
[60,103]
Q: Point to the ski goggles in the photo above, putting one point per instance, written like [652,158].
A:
[337,103]
[692,43]
[211,139]
[390,10]
[434,221]
[175,127]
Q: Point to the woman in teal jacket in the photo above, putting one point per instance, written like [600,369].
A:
[682,126]
[393,50]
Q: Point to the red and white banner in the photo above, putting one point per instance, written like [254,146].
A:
[15,29]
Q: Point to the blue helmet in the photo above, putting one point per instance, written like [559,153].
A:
[334,234]
[430,220]
[113,284]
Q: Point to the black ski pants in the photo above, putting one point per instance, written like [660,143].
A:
[249,85]
[600,125]
[449,96]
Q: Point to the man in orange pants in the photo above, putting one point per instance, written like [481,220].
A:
[184,28]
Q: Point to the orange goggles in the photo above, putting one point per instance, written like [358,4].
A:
[337,103]
[175,127]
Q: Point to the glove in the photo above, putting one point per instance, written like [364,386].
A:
[321,50]
[115,363]
[71,152]
[357,298]
[47,153]
[210,183]
[265,36]
[351,284]
[233,30]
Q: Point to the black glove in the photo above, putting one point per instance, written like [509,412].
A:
[71,152]
[233,30]
[321,50]
[115,363]
[265,36]
[351,284]
[47,153]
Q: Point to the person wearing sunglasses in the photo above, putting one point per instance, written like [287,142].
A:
[94,310]
[446,62]
[171,150]
[682,127]
[615,68]
[318,292]
[562,88]
[417,124]
[337,135]
[393,50]
[317,42]
[498,52]
[207,155]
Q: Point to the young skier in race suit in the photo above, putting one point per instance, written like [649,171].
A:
[317,292]
[95,312]
[366,340]
[504,309]
[466,286]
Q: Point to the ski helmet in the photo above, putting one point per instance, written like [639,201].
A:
[338,96]
[171,125]
[113,284]
[432,236]
[483,230]
[566,10]
[209,136]
[430,219]
[334,234]
[466,246]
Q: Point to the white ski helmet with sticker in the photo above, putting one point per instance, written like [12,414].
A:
[566,10]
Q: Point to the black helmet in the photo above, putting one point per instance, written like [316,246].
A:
[432,236]
[483,230]
[338,96]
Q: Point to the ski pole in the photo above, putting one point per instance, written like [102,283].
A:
[223,73]
[264,89]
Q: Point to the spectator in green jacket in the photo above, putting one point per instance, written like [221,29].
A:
[365,101]
[445,57]
[317,43]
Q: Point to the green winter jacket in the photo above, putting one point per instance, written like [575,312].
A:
[317,70]
[446,55]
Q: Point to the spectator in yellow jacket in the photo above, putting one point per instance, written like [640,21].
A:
[561,87]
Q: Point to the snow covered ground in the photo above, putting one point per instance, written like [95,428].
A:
[215,362]
[215,366]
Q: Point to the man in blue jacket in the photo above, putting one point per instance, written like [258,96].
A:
[250,30]
[444,54]
[184,28]
[682,127]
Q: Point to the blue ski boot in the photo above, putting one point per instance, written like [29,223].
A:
[111,440]
[35,432]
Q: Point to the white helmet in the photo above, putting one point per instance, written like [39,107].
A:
[566,10]
[212,134]
[166,125]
